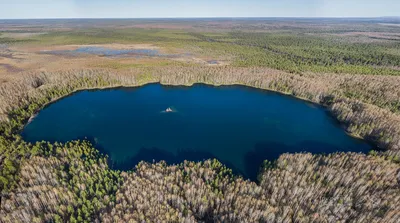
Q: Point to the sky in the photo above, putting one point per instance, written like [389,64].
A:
[18,9]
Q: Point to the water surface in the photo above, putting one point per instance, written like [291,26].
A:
[108,52]
[240,126]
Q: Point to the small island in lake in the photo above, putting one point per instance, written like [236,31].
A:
[168,110]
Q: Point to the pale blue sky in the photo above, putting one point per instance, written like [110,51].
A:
[196,8]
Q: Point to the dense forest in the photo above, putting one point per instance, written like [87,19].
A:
[73,183]
[352,68]
[77,178]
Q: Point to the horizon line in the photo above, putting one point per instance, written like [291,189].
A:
[217,17]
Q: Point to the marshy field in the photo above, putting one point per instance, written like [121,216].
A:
[200,120]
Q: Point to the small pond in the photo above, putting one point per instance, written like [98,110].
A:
[238,125]
[108,52]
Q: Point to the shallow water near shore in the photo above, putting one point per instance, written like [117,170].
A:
[238,125]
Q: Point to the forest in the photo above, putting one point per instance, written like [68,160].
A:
[351,68]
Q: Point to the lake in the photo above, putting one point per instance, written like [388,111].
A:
[238,125]
[109,52]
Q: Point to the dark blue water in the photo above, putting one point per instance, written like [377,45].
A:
[238,125]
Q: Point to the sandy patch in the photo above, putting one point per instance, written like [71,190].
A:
[21,35]
[31,58]
[10,68]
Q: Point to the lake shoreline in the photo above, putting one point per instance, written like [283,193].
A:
[252,124]
[326,108]
[59,85]
[190,85]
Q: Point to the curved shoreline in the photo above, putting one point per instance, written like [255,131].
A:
[342,125]
[359,119]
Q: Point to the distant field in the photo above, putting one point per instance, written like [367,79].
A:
[337,46]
